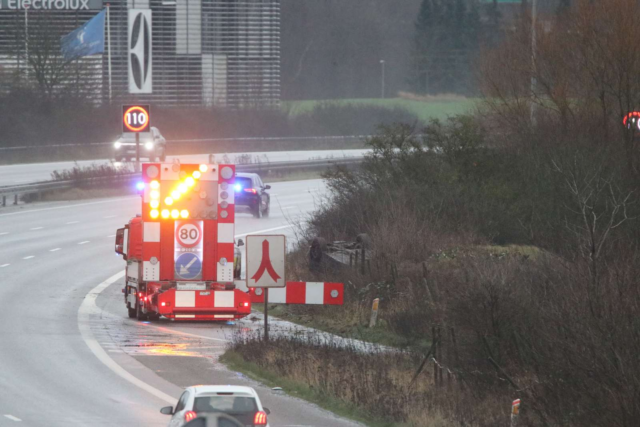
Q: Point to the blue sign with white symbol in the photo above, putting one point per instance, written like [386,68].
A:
[188,266]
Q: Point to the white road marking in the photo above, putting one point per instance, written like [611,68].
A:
[288,207]
[12,418]
[70,206]
[29,257]
[4,265]
[82,243]
[53,250]
[72,222]
[89,307]
[37,228]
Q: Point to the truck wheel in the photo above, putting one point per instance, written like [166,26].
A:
[154,317]
[132,312]
[139,314]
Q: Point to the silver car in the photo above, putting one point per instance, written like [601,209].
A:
[153,146]
[241,403]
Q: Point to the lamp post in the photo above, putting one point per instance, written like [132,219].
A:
[534,13]
[382,80]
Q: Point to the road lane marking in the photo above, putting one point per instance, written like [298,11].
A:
[37,228]
[12,418]
[29,257]
[89,307]
[82,243]
[53,250]
[72,222]
[4,265]
[70,206]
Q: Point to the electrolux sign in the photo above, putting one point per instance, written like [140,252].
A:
[51,4]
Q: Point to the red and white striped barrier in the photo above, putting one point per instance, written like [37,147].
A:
[316,293]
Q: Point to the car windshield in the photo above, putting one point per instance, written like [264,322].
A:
[242,182]
[232,405]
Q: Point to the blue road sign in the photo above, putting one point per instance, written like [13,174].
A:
[188,266]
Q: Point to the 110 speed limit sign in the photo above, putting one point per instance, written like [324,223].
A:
[135,118]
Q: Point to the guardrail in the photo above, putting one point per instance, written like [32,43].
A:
[16,191]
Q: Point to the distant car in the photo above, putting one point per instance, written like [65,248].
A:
[214,420]
[252,194]
[241,403]
[153,146]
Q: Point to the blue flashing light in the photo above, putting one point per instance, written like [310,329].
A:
[238,187]
[140,185]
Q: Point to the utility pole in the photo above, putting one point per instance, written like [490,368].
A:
[382,63]
[534,16]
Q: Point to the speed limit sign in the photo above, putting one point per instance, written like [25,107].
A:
[189,234]
[135,118]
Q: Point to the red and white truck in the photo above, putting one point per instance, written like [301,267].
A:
[182,262]
[181,254]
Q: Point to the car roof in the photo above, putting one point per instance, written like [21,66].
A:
[206,389]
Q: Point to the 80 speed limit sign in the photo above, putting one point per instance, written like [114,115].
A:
[189,234]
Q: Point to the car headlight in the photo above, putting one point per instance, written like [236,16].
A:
[117,145]
[148,145]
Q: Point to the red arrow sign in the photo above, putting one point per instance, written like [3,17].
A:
[265,264]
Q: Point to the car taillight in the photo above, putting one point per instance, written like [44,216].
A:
[260,419]
[251,190]
[189,415]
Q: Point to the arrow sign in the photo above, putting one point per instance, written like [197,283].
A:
[265,261]
[188,266]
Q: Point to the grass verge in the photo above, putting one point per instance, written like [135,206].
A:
[236,362]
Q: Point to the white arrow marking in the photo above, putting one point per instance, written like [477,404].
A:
[184,269]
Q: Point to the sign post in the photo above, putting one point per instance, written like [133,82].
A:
[266,267]
[136,119]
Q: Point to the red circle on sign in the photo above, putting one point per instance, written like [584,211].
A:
[136,108]
[189,234]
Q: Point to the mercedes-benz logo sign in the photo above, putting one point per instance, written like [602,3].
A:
[140,52]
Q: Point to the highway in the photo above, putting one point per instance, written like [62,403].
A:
[69,354]
[34,172]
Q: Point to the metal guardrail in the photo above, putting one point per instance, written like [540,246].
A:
[209,140]
[16,191]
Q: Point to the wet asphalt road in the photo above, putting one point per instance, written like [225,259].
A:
[51,256]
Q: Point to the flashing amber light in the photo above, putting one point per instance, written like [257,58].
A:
[154,185]
[190,181]
[168,201]
[184,214]
[203,168]
[182,187]
[175,194]
[165,213]
[196,174]
[155,194]
[175,213]
[154,213]
[154,204]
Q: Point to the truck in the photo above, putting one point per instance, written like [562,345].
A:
[182,261]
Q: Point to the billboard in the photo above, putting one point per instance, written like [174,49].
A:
[139,51]
[51,4]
